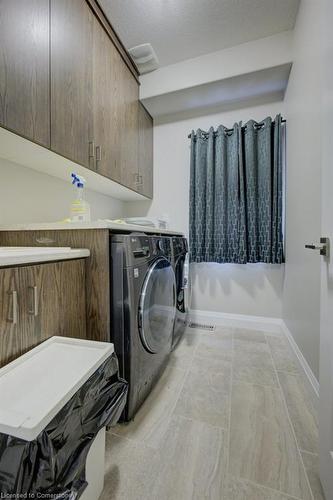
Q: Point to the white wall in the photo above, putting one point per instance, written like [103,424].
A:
[29,196]
[301,295]
[252,289]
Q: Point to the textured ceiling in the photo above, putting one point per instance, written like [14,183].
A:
[182,29]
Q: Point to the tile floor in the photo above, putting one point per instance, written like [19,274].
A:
[230,419]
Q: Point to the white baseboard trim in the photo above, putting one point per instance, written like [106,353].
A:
[261,323]
[301,359]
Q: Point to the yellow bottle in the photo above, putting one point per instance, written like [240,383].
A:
[80,208]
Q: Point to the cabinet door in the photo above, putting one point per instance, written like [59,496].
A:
[71,285]
[105,109]
[128,102]
[10,345]
[24,68]
[53,301]
[71,80]
[115,109]
[145,152]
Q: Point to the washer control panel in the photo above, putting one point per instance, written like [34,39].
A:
[140,247]
[161,245]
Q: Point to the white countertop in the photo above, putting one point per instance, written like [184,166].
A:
[14,256]
[100,224]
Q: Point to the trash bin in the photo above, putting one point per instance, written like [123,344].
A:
[55,402]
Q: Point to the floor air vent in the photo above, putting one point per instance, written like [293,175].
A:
[201,326]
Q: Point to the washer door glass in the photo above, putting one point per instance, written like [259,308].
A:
[157,307]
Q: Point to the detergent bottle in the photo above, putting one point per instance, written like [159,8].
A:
[80,208]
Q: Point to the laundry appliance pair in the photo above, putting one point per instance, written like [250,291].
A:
[149,307]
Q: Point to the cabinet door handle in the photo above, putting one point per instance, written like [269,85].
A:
[138,180]
[34,309]
[91,149]
[13,317]
[98,153]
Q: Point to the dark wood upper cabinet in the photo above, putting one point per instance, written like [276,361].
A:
[67,83]
[145,185]
[72,24]
[128,102]
[115,108]
[24,68]
[105,109]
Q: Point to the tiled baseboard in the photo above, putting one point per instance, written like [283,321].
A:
[261,323]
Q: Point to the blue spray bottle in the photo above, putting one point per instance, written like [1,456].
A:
[80,208]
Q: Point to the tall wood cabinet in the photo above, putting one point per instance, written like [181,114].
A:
[38,302]
[24,68]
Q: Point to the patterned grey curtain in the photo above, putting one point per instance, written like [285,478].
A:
[236,194]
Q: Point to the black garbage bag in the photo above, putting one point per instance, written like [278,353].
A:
[53,465]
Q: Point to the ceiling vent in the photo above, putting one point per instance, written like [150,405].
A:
[144,57]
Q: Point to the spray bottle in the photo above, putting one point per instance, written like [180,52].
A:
[80,209]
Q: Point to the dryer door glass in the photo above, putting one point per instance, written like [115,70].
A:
[157,307]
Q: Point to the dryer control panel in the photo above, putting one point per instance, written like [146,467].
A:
[180,245]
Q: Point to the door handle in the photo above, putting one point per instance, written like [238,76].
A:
[98,153]
[13,317]
[138,179]
[91,149]
[323,246]
[34,309]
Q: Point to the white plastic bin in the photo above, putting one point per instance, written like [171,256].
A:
[95,466]
[35,387]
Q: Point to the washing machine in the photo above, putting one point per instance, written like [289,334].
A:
[180,259]
[143,305]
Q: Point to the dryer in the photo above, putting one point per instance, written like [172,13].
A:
[143,311]
[180,261]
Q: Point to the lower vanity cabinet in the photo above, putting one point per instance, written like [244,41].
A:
[10,344]
[38,302]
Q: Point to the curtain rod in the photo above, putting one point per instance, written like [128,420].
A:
[231,129]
